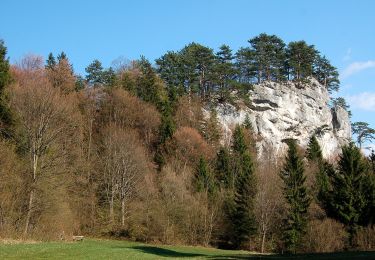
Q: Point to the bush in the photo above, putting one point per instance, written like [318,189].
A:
[365,238]
[325,235]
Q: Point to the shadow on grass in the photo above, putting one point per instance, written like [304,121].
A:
[320,256]
[158,251]
[164,252]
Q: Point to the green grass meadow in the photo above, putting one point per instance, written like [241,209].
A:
[114,249]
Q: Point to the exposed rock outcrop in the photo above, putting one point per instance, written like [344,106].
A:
[289,111]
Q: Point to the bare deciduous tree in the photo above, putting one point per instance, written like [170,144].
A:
[45,119]
[125,165]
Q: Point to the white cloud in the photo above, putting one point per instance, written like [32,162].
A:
[348,55]
[356,67]
[364,101]
[368,147]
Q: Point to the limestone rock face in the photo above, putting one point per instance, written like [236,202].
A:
[280,111]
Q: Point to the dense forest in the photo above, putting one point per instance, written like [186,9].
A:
[126,152]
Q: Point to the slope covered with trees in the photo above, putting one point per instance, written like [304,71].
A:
[127,152]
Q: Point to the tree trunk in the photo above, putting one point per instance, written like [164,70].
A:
[111,213]
[123,212]
[263,241]
[29,209]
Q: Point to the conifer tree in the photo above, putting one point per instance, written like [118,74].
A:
[239,145]
[314,153]
[347,198]
[326,74]
[296,196]
[6,119]
[51,61]
[341,102]
[223,168]
[245,190]
[247,123]
[62,56]
[269,56]
[301,57]
[95,73]
[224,73]
[364,132]
[325,169]
[212,128]
[170,69]
[203,179]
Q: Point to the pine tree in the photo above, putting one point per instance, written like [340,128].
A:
[224,73]
[341,102]
[198,63]
[326,74]
[170,69]
[301,58]
[269,56]
[109,77]
[296,196]
[95,73]
[347,195]
[364,132]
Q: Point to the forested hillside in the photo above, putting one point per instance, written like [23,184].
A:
[127,152]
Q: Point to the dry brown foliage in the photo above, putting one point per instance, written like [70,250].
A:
[49,123]
[61,76]
[189,113]
[365,238]
[127,111]
[187,145]
[325,235]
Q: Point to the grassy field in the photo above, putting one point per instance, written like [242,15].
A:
[112,249]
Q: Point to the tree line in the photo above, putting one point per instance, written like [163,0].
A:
[122,154]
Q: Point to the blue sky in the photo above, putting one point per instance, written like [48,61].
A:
[86,30]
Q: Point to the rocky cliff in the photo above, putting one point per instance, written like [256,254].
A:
[284,111]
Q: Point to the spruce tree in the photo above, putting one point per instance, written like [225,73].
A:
[242,191]
[223,171]
[314,153]
[51,61]
[245,190]
[347,196]
[204,180]
[315,156]
[296,196]
[212,130]
[6,119]
[247,123]
[239,145]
